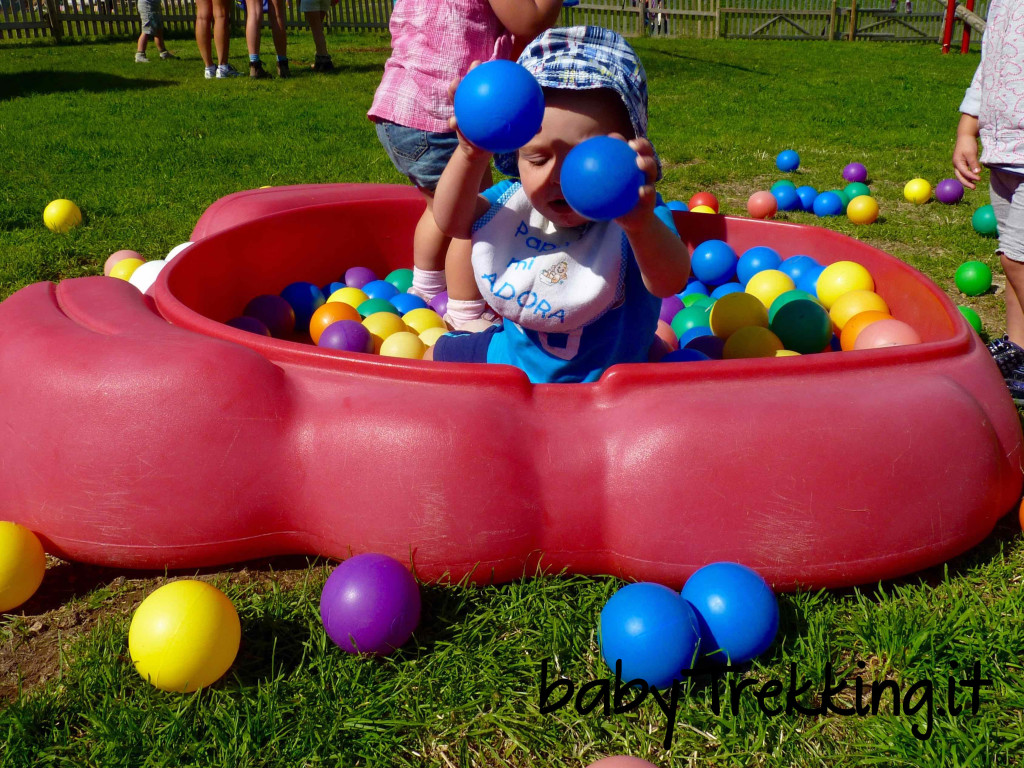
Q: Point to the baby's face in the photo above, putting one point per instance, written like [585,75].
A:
[570,117]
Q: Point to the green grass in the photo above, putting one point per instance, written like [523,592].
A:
[145,149]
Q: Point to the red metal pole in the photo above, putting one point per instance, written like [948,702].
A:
[966,44]
[947,30]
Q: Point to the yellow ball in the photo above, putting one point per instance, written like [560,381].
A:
[381,325]
[842,277]
[734,311]
[917,191]
[61,215]
[853,303]
[184,636]
[403,344]
[768,285]
[787,353]
[22,564]
[702,209]
[421,319]
[125,268]
[351,296]
[863,209]
[431,335]
[751,341]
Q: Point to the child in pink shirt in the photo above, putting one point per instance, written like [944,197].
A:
[434,42]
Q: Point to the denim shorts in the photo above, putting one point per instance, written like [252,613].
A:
[1007,195]
[149,13]
[420,155]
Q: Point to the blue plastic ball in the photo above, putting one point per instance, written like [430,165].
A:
[305,299]
[797,266]
[677,205]
[684,355]
[756,259]
[725,289]
[711,345]
[499,106]
[713,262]
[787,161]
[737,611]
[379,289]
[652,630]
[407,302]
[807,195]
[808,282]
[600,179]
[787,198]
[694,286]
[694,333]
[332,287]
[828,204]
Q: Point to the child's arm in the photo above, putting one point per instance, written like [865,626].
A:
[457,199]
[526,18]
[965,152]
[663,258]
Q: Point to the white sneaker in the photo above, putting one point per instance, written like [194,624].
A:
[226,70]
[141,58]
[211,72]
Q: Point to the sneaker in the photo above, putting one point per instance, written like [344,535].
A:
[165,55]
[211,72]
[322,64]
[282,69]
[140,58]
[257,72]
[1015,383]
[1008,356]
[226,70]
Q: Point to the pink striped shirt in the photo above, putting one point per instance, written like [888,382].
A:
[432,43]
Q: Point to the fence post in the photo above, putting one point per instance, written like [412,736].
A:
[717,33]
[853,19]
[53,19]
[832,21]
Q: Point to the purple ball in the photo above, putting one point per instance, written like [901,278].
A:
[275,312]
[670,306]
[357,277]
[347,336]
[439,303]
[250,324]
[949,191]
[370,604]
[712,346]
[855,172]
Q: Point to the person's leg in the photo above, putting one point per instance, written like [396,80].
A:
[253,22]
[276,11]
[316,26]
[221,30]
[204,22]
[1007,196]
[143,42]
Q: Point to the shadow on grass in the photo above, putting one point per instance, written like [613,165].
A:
[704,64]
[42,82]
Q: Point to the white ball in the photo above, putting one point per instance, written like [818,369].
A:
[176,250]
[145,275]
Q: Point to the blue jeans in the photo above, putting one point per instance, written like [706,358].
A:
[420,155]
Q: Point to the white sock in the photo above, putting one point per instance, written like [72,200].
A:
[427,283]
[461,312]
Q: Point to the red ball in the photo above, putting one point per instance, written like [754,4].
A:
[704,198]
[667,335]
[762,205]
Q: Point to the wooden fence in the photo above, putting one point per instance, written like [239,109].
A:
[894,20]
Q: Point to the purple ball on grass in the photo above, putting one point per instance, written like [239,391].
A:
[855,172]
[949,191]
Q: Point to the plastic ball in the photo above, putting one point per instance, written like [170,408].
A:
[828,204]
[689,318]
[407,302]
[842,277]
[751,341]
[125,268]
[949,191]
[328,314]
[372,306]
[807,195]
[22,565]
[809,281]
[787,198]
[853,303]
[713,262]
[756,259]
[381,325]
[401,279]
[305,299]
[687,355]
[863,209]
[692,287]
[737,611]
[917,191]
[404,344]
[499,106]
[430,336]
[670,305]
[712,346]
[762,205]
[695,332]
[856,189]
[706,199]
[797,266]
[439,303]
[600,178]
[725,289]
[703,209]
[665,332]
[735,311]
[61,215]
[843,197]
[855,172]
[177,250]
[621,761]
[972,318]
[677,205]
[275,312]
[780,184]
[856,324]
[146,274]
[784,298]
[886,333]
[346,336]
[802,325]
[379,289]
[184,636]
[350,295]
[768,284]
[370,604]
[419,320]
[117,256]
[357,277]
[652,630]
[787,161]
[697,300]
[984,221]
[973,278]
[249,324]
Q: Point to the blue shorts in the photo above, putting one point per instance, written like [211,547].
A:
[420,155]
[464,347]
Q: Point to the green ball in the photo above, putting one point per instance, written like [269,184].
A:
[973,278]
[972,317]
[984,221]
[856,189]
[783,183]
[371,306]
[784,298]
[401,279]
[803,326]
[842,196]
[689,317]
[697,300]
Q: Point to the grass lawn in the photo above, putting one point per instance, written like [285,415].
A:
[145,149]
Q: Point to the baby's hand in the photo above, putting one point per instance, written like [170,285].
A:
[644,209]
[471,149]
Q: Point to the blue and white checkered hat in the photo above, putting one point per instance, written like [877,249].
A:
[584,58]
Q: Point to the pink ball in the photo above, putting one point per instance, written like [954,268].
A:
[621,761]
[886,333]
[117,256]
[762,205]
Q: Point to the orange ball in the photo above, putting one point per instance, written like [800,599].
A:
[762,205]
[666,334]
[1021,514]
[858,323]
[704,198]
[329,313]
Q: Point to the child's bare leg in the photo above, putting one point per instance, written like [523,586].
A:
[143,42]
[253,23]
[204,20]
[1014,271]
[158,36]
[315,19]
[277,30]
[465,305]
[429,245]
